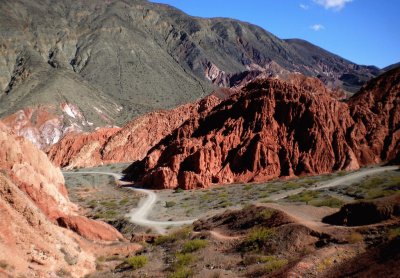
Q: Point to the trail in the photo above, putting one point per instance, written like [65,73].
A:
[140,214]
[335,182]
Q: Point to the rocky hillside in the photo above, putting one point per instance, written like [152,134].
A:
[34,206]
[110,61]
[126,144]
[274,129]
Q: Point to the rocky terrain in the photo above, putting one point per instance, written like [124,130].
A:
[63,62]
[126,144]
[276,129]
[35,209]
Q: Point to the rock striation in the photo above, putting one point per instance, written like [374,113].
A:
[274,128]
[33,173]
[130,143]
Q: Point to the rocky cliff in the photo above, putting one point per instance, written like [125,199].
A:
[273,129]
[34,210]
[129,143]
[30,169]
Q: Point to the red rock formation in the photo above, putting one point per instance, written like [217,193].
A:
[130,143]
[376,111]
[275,128]
[34,174]
[270,129]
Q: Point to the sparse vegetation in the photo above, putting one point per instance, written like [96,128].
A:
[182,233]
[170,204]
[194,245]
[305,196]
[181,273]
[136,262]
[394,233]
[68,258]
[355,237]
[328,201]
[257,238]
[182,260]
[273,263]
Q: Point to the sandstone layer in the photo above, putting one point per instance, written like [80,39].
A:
[33,173]
[130,143]
[275,129]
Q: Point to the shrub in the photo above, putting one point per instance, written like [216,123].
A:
[394,233]
[193,245]
[169,204]
[257,238]
[178,190]
[329,202]
[181,273]
[182,260]
[182,233]
[355,237]
[273,263]
[305,196]
[136,262]
[247,187]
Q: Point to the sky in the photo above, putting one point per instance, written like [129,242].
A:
[366,32]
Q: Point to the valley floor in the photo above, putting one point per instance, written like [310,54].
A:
[305,201]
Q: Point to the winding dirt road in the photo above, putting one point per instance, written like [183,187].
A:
[140,214]
[336,181]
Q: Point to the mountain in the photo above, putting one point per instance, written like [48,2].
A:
[390,67]
[275,129]
[111,61]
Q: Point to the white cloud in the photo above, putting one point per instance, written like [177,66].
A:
[317,27]
[304,7]
[333,4]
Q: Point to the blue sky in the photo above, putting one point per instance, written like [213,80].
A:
[363,31]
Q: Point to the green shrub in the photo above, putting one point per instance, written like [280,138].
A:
[182,233]
[179,190]
[137,262]
[194,245]
[305,196]
[181,273]
[257,238]
[266,214]
[169,204]
[247,187]
[273,263]
[328,202]
[182,260]
[394,233]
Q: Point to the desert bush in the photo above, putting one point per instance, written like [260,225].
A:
[355,237]
[137,262]
[179,190]
[273,263]
[181,273]
[305,196]
[394,233]
[182,260]
[182,233]
[257,238]
[169,204]
[194,245]
[328,202]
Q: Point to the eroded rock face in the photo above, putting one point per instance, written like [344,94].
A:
[376,112]
[130,143]
[270,129]
[276,128]
[33,173]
